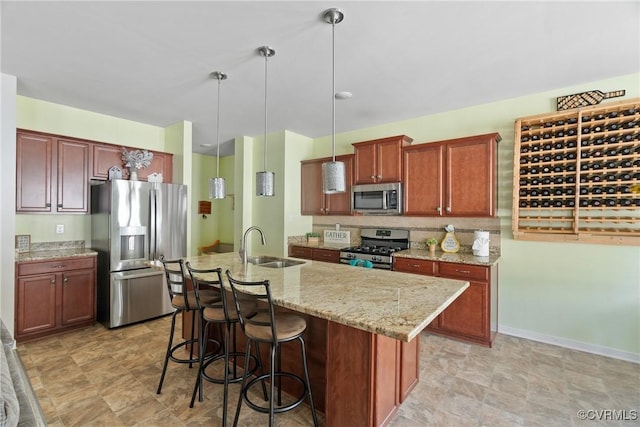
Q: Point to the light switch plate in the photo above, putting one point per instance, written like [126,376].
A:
[59,228]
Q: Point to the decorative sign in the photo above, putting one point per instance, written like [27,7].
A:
[585,99]
[337,236]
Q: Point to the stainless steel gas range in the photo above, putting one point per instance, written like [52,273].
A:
[376,247]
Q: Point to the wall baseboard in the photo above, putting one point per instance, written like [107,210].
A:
[567,343]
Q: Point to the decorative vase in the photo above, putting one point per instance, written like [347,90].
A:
[432,249]
[133,174]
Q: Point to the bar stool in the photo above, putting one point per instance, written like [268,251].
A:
[183,301]
[267,326]
[221,312]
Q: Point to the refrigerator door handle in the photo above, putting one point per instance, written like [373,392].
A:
[152,225]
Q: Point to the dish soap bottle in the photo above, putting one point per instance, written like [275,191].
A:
[450,242]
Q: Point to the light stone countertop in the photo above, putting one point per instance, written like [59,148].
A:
[463,258]
[393,304]
[44,255]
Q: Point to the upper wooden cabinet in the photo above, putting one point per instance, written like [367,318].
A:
[106,155]
[379,160]
[451,178]
[51,174]
[313,200]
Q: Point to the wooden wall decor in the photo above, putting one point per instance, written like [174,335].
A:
[585,99]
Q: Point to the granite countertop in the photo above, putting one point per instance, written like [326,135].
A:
[393,304]
[463,258]
[54,253]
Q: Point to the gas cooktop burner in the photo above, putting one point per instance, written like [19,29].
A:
[374,249]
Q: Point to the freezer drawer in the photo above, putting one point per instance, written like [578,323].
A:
[137,295]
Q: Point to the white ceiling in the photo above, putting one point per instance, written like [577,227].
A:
[149,61]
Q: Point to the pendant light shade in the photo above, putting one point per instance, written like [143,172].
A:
[265,179]
[217,185]
[333,173]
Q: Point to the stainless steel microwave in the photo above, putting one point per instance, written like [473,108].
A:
[377,199]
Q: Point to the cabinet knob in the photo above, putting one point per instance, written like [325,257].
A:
[59,205]
[379,176]
[448,208]
[438,209]
[66,279]
[53,281]
[48,205]
[373,177]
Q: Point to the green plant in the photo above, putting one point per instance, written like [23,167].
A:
[431,241]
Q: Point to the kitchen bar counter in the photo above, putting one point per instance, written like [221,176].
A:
[393,304]
[362,331]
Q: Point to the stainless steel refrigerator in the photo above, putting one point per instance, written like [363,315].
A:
[133,224]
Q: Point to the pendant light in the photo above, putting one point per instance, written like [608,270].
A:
[217,186]
[333,173]
[265,179]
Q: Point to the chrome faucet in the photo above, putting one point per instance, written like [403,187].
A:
[243,242]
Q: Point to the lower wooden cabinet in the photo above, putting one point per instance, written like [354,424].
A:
[54,296]
[315,254]
[473,316]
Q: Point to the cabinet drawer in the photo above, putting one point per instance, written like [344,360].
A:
[413,265]
[328,255]
[55,265]
[301,252]
[464,271]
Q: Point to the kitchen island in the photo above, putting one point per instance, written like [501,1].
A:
[362,330]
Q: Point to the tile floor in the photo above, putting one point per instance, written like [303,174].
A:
[101,377]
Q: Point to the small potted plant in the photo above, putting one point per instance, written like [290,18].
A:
[431,244]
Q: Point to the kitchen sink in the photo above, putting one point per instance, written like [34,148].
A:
[273,262]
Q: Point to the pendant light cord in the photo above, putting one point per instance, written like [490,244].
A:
[333,88]
[265,111]
[218,133]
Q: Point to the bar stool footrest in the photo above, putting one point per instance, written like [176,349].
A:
[277,409]
[182,345]
[232,379]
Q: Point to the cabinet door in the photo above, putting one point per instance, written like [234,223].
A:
[33,172]
[387,381]
[422,180]
[36,304]
[340,203]
[365,163]
[470,178]
[73,176]
[467,315]
[78,296]
[311,197]
[162,163]
[409,369]
[104,157]
[388,161]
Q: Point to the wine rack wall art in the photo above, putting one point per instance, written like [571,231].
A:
[577,175]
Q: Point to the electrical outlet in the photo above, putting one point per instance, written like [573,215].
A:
[59,228]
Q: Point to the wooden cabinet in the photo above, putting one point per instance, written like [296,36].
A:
[51,174]
[313,200]
[368,376]
[451,178]
[379,160]
[473,316]
[107,155]
[54,296]
[316,254]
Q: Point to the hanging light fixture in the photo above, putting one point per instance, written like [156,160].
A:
[265,178]
[217,186]
[333,173]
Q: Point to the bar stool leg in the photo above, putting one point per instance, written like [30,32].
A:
[272,357]
[166,357]
[308,383]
